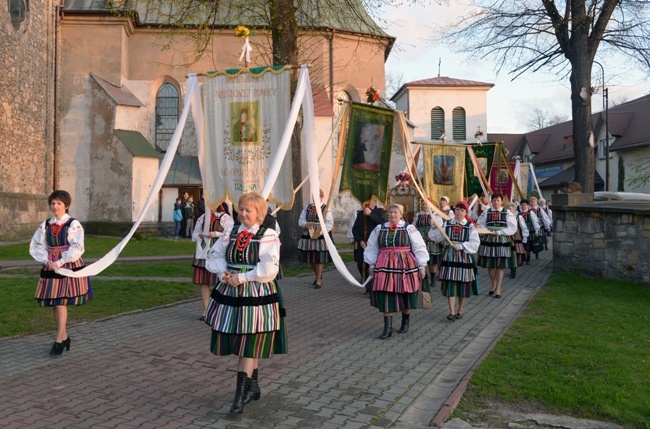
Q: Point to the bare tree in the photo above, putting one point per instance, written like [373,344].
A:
[540,119]
[564,36]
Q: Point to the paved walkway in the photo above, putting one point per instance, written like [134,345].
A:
[153,369]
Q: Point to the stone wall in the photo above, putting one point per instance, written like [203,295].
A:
[26,118]
[603,240]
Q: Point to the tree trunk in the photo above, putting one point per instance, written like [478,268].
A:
[284,32]
[581,60]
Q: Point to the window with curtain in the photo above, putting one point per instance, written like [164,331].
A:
[458,123]
[437,122]
[166,115]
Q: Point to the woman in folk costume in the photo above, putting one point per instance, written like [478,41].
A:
[220,223]
[59,243]
[495,252]
[519,238]
[422,221]
[246,312]
[458,277]
[314,250]
[445,207]
[549,213]
[532,223]
[545,223]
[397,255]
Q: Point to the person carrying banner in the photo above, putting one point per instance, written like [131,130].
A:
[445,207]
[220,223]
[519,238]
[311,248]
[532,223]
[59,243]
[458,272]
[545,225]
[366,221]
[495,252]
[422,221]
[246,311]
[480,207]
[397,255]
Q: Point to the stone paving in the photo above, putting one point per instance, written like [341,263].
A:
[153,369]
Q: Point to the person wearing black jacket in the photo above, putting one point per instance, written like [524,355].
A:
[367,219]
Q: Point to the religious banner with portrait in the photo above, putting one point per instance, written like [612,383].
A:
[368,147]
[501,177]
[484,157]
[444,171]
[245,114]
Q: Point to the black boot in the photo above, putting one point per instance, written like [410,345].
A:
[406,319]
[432,283]
[388,327]
[253,393]
[513,273]
[242,385]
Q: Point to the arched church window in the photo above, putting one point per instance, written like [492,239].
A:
[18,10]
[458,124]
[166,115]
[437,122]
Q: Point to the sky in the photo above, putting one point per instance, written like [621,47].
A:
[511,104]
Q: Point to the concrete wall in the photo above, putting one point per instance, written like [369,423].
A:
[26,119]
[603,240]
[144,174]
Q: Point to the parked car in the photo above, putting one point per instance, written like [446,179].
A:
[621,196]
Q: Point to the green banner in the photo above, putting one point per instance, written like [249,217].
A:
[485,157]
[368,148]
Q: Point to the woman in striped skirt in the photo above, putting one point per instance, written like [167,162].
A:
[220,223]
[397,256]
[314,250]
[519,239]
[458,268]
[422,221]
[59,243]
[495,252]
[246,312]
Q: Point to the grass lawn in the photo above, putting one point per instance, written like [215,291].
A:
[96,247]
[21,315]
[581,347]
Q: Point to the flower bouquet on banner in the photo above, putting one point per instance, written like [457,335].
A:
[372,95]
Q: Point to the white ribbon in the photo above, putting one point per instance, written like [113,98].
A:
[246,51]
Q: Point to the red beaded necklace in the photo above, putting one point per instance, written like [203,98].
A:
[243,239]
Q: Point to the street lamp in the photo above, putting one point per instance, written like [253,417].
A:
[606,107]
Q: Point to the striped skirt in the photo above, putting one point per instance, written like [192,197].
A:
[313,251]
[434,252]
[247,321]
[201,275]
[396,271]
[388,302]
[54,289]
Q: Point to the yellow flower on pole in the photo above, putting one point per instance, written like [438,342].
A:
[242,31]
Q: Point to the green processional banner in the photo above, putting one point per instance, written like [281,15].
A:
[368,148]
[485,157]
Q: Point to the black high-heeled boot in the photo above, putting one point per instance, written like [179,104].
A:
[242,385]
[406,320]
[388,327]
[253,393]
[57,349]
[67,343]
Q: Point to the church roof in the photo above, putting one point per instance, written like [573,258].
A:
[252,13]
[120,94]
[444,81]
[137,144]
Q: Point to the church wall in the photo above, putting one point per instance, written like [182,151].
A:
[144,174]
[26,119]
[422,100]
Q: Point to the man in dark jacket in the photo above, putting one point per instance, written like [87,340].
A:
[367,220]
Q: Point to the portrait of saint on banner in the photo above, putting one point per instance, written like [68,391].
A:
[443,170]
[245,123]
[368,143]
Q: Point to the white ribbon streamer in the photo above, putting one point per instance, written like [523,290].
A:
[246,51]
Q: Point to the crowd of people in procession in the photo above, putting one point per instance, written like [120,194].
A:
[237,264]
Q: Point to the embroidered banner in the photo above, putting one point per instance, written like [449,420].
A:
[368,148]
[485,156]
[245,115]
[444,171]
[501,179]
